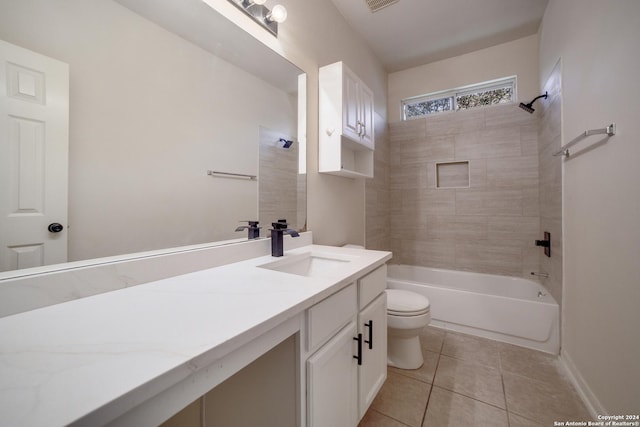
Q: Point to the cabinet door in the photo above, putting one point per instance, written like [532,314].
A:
[366,116]
[350,107]
[332,382]
[372,324]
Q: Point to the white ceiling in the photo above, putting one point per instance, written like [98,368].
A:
[416,32]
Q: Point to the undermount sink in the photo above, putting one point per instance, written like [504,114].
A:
[309,264]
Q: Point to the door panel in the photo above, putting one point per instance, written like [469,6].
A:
[34,141]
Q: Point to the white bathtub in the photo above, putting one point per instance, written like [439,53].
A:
[508,309]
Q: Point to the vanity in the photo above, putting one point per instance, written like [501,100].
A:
[304,335]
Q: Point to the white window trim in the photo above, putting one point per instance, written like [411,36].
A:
[453,93]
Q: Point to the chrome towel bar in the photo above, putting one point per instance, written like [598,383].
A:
[609,130]
[232,175]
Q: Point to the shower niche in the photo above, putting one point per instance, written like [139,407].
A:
[452,174]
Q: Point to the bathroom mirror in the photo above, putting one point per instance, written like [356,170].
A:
[160,93]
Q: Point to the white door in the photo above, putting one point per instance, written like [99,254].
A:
[372,324]
[332,384]
[34,145]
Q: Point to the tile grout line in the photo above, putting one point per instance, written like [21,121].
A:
[504,389]
[435,372]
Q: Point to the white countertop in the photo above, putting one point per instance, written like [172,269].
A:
[60,363]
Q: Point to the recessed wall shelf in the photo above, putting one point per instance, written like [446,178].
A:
[452,174]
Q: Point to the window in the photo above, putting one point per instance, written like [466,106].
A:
[478,95]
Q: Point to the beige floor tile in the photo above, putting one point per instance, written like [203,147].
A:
[469,347]
[518,421]
[403,399]
[424,373]
[376,419]
[543,401]
[529,363]
[432,338]
[451,409]
[477,381]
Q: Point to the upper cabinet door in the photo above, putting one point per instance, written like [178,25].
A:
[351,106]
[366,116]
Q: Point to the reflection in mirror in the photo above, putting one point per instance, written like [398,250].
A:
[152,107]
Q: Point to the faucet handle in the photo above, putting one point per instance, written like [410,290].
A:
[281,224]
[252,223]
[252,228]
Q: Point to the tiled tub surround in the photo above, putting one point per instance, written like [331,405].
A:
[550,167]
[377,193]
[281,189]
[472,381]
[489,227]
[145,352]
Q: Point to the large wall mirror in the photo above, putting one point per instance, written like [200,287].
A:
[160,92]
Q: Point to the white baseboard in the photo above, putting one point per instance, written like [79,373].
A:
[589,399]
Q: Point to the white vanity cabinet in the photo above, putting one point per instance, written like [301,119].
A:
[346,140]
[372,324]
[347,343]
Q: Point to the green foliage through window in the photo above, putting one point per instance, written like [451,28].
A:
[496,92]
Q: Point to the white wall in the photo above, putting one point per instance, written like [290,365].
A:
[150,114]
[598,43]
[516,58]
[314,35]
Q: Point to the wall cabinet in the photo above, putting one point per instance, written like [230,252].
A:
[347,368]
[346,140]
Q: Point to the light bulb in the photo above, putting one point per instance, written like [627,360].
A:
[278,14]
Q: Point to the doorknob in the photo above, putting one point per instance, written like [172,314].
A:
[54,227]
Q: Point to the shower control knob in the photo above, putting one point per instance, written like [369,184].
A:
[55,227]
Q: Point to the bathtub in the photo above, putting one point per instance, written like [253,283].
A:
[509,309]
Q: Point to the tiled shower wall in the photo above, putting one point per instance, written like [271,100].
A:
[377,230]
[281,189]
[549,138]
[489,227]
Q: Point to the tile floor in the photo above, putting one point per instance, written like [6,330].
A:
[472,381]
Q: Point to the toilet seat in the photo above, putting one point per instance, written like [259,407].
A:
[405,303]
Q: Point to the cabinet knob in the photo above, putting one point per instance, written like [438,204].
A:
[330,131]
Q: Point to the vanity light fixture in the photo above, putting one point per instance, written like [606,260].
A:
[268,19]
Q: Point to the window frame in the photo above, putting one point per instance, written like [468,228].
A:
[456,92]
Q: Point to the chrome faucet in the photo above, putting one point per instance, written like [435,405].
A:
[277,236]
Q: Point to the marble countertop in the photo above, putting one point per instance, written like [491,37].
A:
[60,363]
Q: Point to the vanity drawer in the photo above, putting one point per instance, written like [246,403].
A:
[372,285]
[328,316]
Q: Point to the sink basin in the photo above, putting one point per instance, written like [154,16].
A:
[309,264]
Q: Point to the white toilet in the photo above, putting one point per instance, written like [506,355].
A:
[407,314]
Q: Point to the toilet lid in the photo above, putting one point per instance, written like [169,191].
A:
[406,303]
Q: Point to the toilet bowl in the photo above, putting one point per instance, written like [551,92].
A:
[407,314]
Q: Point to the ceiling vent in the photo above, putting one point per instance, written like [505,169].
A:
[376,5]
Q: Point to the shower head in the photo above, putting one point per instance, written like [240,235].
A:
[529,107]
[287,143]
